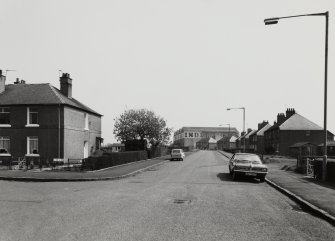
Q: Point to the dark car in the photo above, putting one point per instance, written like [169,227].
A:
[248,165]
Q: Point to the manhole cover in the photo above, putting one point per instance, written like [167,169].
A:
[180,201]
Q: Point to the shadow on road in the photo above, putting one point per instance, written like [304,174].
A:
[225,177]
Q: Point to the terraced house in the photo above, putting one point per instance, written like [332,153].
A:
[39,120]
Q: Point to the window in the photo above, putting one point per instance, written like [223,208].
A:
[32,117]
[308,133]
[185,134]
[86,121]
[32,145]
[4,145]
[4,116]
[196,134]
[190,134]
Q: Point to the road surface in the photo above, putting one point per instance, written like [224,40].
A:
[191,200]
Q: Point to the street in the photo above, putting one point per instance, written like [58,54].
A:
[191,200]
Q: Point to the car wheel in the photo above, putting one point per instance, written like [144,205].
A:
[181,159]
[262,179]
[234,176]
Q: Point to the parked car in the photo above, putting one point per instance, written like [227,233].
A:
[177,154]
[247,164]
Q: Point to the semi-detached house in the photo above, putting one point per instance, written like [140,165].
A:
[39,120]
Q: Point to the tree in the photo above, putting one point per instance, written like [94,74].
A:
[142,125]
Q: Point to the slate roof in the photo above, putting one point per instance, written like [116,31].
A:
[211,140]
[250,133]
[298,122]
[205,139]
[233,139]
[329,143]
[38,94]
[262,130]
[300,144]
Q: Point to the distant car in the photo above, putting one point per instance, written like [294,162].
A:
[177,154]
[247,164]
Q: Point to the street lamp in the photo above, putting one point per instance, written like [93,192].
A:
[270,21]
[241,108]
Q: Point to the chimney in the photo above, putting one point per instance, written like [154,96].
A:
[289,112]
[2,82]
[249,130]
[280,118]
[261,125]
[66,85]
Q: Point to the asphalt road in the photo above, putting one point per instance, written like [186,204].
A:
[191,200]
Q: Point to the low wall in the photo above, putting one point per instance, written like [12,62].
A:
[113,159]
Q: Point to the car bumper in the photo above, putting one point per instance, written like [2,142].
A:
[250,173]
[176,156]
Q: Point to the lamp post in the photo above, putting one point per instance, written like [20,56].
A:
[270,21]
[241,108]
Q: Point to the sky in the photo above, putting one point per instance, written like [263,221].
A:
[186,60]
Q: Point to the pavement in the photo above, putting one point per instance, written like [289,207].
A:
[112,173]
[313,195]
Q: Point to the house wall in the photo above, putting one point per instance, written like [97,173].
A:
[75,134]
[47,131]
[288,138]
[281,140]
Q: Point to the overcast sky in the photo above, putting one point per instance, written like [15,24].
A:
[187,60]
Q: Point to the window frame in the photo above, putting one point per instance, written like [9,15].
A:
[3,139]
[29,124]
[2,108]
[29,138]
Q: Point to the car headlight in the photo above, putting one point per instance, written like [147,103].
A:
[264,169]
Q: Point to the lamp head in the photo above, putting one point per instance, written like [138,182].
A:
[270,21]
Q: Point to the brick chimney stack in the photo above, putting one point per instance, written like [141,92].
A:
[261,125]
[2,82]
[289,112]
[66,85]
[281,118]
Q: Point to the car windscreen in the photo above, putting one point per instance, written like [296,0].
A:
[248,159]
[176,151]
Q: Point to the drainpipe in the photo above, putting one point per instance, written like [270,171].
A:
[58,130]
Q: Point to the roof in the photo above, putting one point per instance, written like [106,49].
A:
[38,94]
[298,122]
[233,139]
[211,140]
[329,143]
[262,130]
[299,144]
[205,139]
[241,137]
[250,133]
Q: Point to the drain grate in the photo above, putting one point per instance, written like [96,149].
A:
[180,201]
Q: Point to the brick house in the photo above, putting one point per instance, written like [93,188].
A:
[256,140]
[290,129]
[39,120]
[227,143]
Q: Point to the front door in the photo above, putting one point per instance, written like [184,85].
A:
[85,149]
